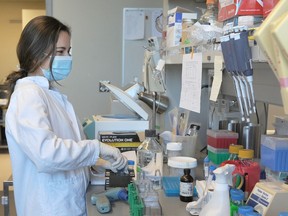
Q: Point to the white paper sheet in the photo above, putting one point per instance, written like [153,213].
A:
[134,24]
[190,98]
[217,79]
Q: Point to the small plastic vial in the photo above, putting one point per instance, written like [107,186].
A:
[186,187]
[206,164]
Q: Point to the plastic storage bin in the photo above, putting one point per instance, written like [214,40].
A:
[221,138]
[189,143]
[274,152]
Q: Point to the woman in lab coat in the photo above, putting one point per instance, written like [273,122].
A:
[49,155]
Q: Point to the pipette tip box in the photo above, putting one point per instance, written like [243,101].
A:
[274,152]
[221,138]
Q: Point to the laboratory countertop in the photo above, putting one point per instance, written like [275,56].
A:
[171,206]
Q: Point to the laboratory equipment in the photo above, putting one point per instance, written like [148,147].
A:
[119,179]
[221,138]
[219,205]
[267,40]
[150,159]
[102,201]
[162,101]
[186,187]
[139,121]
[267,198]
[251,137]
[246,173]
[143,200]
[274,152]
[153,76]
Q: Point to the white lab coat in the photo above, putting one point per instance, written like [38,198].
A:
[49,157]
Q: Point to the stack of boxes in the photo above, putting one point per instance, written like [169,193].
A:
[218,142]
[174,25]
[246,13]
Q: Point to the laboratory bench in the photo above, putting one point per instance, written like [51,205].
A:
[170,205]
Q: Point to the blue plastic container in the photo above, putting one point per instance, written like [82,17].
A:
[274,153]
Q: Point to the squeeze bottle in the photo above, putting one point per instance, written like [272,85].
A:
[219,204]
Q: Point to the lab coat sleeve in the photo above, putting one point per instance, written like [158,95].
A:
[50,147]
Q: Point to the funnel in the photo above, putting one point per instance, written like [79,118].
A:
[162,102]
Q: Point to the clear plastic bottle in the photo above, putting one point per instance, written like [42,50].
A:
[186,187]
[211,13]
[234,151]
[150,159]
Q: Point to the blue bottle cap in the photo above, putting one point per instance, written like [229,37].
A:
[283,214]
[206,159]
[235,190]
[212,168]
[131,162]
[245,209]
[237,196]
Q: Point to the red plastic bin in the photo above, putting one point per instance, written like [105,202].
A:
[221,138]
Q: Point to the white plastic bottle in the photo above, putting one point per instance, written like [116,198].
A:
[219,204]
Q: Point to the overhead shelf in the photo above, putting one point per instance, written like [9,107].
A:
[208,57]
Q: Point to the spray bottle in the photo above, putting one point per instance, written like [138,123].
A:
[219,205]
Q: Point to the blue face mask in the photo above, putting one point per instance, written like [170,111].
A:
[61,68]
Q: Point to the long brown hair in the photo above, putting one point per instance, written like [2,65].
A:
[37,42]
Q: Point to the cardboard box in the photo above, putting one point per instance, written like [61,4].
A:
[174,25]
[268,5]
[230,8]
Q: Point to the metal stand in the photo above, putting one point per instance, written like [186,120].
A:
[5,197]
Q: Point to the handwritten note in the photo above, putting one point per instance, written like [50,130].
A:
[190,97]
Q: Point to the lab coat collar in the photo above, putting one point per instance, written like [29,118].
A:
[39,80]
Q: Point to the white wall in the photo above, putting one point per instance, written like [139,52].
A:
[97,49]
[10,28]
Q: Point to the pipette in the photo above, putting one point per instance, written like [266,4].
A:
[228,59]
[243,59]
[238,51]
[249,69]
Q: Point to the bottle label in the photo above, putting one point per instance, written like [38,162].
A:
[186,189]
